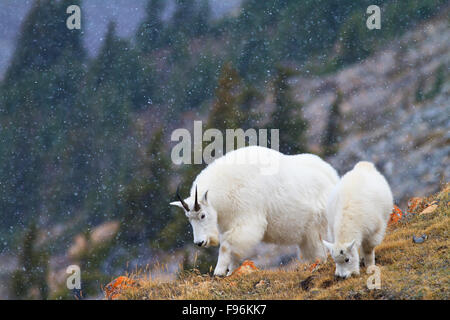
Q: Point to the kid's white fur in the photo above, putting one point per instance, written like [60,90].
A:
[358,211]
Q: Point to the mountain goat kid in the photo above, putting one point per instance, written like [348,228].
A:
[358,211]
[256,194]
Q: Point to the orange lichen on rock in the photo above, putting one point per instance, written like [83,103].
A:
[113,289]
[396,215]
[246,268]
[415,204]
[313,267]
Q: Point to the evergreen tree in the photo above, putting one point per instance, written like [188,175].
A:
[33,269]
[191,85]
[92,254]
[333,131]
[202,18]
[150,35]
[36,105]
[119,65]
[356,40]
[45,25]
[287,116]
[102,135]
[255,23]
[226,112]
[183,20]
[248,100]
[146,199]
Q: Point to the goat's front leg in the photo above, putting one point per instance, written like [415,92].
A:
[238,244]
[233,265]
[224,260]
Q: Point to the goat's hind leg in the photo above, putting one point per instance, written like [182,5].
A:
[312,249]
[368,248]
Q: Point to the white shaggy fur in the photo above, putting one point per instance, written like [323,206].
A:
[360,204]
[243,202]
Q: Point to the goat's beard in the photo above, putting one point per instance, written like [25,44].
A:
[213,241]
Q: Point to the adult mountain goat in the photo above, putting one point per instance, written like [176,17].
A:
[360,205]
[256,194]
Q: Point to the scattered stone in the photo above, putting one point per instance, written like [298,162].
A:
[307,283]
[327,283]
[430,209]
[247,267]
[314,291]
[420,239]
[113,289]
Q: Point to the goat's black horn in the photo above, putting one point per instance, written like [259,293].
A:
[196,205]
[185,206]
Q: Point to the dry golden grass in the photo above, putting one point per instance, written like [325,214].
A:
[408,270]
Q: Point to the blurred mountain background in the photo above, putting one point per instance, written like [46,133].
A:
[86,117]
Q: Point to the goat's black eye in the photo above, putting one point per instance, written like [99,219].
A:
[202,217]
[347,260]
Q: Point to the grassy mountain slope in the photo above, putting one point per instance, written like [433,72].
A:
[408,270]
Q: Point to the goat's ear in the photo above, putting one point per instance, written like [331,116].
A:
[177,204]
[205,198]
[350,245]
[328,245]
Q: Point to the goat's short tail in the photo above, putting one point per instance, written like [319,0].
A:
[365,165]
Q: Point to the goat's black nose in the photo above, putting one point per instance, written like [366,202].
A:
[200,243]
